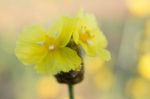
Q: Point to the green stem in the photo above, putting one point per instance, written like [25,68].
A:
[71,91]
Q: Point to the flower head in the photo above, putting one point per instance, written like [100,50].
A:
[47,49]
[89,36]
[55,51]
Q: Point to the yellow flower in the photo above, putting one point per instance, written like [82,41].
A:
[47,49]
[138,88]
[144,66]
[87,34]
[47,87]
[104,79]
[139,7]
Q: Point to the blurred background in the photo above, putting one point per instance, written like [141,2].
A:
[126,24]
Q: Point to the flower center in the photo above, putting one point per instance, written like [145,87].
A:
[85,36]
[51,47]
[49,43]
[56,34]
[40,43]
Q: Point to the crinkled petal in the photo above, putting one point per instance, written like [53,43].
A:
[64,59]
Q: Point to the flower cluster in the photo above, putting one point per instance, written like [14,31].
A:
[49,50]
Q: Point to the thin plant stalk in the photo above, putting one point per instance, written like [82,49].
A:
[71,91]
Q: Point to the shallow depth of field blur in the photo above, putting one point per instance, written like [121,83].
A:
[126,24]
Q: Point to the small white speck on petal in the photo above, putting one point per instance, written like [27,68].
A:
[90,42]
[41,43]
[51,47]
[83,29]
[56,34]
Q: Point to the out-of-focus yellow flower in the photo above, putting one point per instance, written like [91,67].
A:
[89,36]
[93,64]
[47,49]
[144,66]
[104,79]
[138,88]
[47,88]
[139,7]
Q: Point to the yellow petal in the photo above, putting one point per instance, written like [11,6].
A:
[90,50]
[64,59]
[98,36]
[77,26]
[29,54]
[96,50]
[32,34]
[104,54]
[99,39]
[62,30]
[27,49]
